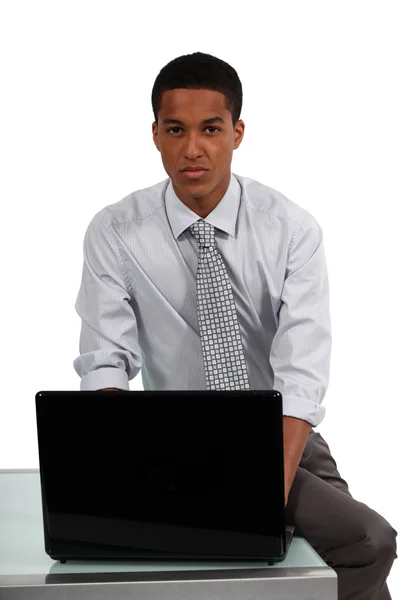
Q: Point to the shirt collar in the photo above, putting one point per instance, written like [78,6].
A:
[223,216]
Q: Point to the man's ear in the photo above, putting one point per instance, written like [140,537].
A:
[155,135]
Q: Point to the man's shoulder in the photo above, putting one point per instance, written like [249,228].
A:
[136,206]
[265,199]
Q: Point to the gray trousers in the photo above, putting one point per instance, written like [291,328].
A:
[353,539]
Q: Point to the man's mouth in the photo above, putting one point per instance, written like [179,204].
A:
[196,174]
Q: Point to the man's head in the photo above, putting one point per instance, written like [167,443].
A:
[192,89]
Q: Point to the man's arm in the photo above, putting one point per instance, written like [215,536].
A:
[295,434]
[301,348]
[109,348]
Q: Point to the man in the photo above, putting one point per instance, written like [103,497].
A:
[210,280]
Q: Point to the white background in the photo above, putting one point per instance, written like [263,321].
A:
[321,107]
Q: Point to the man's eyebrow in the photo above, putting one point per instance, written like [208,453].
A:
[169,120]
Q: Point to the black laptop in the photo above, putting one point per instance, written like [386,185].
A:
[162,475]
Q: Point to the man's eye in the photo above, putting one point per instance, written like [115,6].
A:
[209,127]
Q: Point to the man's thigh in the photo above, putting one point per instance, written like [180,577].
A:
[320,505]
[318,492]
[317,459]
[345,532]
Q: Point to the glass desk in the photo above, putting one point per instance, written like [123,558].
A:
[26,571]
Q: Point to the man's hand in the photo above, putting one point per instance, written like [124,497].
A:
[295,435]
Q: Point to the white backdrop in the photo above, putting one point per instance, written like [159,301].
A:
[321,107]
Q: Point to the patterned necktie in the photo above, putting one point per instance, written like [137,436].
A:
[224,360]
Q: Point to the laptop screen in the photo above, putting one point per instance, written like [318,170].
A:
[203,459]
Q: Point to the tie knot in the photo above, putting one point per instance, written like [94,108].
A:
[203,232]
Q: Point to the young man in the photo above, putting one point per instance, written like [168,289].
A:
[211,280]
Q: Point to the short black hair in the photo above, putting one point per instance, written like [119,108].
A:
[199,71]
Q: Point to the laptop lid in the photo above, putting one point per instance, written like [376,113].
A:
[162,474]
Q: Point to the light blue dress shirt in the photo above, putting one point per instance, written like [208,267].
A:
[137,299]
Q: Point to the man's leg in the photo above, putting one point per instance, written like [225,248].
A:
[353,539]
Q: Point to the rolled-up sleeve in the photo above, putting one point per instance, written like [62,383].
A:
[109,350]
[301,349]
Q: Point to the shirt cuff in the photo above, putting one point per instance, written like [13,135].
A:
[301,408]
[106,377]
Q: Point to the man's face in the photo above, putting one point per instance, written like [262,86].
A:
[192,142]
